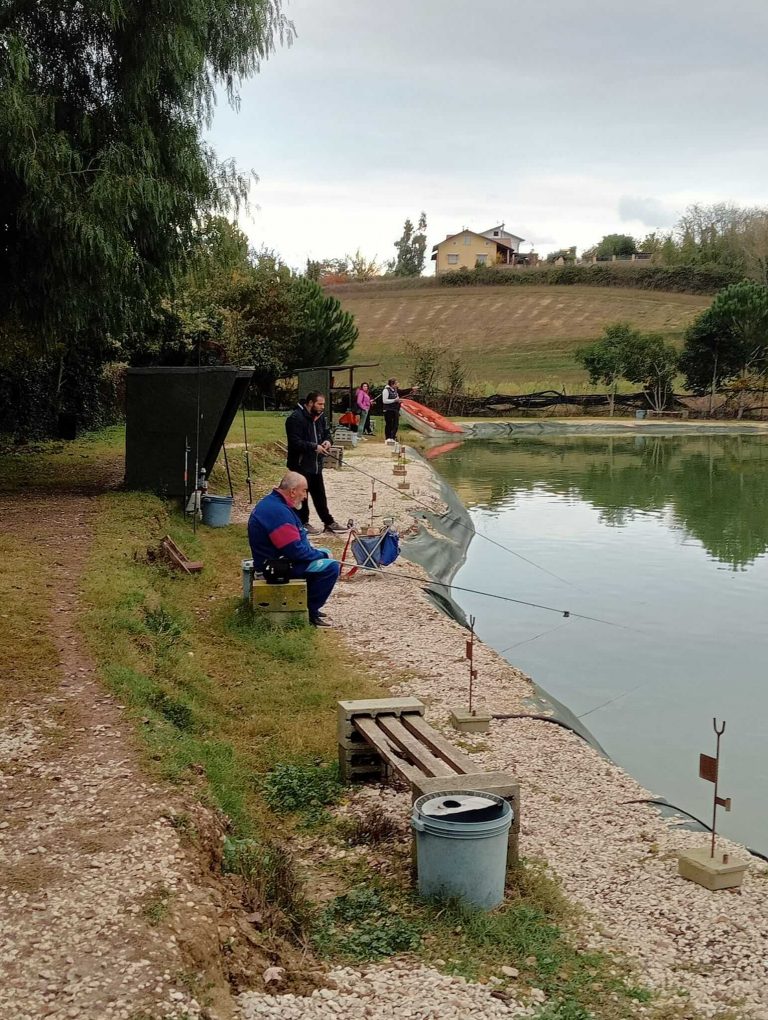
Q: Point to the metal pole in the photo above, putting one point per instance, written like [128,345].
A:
[471,657]
[719,733]
[226,465]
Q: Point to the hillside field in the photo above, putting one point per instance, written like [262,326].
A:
[511,338]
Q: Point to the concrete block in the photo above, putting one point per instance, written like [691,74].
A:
[336,458]
[280,598]
[712,872]
[379,706]
[363,765]
[470,722]
[403,485]
[399,469]
[283,619]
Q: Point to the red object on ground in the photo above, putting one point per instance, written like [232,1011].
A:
[427,421]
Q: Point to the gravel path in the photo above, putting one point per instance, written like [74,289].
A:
[616,859]
[101,908]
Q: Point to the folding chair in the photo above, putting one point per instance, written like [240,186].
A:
[371,552]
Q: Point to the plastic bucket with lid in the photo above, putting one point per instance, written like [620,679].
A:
[461,846]
[216,510]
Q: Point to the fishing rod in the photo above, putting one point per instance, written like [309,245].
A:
[186,476]
[247,457]
[197,444]
[457,520]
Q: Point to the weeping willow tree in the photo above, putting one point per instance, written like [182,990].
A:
[104,174]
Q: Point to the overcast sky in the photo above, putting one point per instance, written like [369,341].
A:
[565,120]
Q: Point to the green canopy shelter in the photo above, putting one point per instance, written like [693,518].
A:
[162,419]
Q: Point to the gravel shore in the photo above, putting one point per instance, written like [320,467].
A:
[616,859]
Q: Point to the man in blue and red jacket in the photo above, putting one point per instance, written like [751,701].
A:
[275,531]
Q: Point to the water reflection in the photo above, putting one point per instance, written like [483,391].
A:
[712,488]
[664,536]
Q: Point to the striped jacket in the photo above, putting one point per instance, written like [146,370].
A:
[274,529]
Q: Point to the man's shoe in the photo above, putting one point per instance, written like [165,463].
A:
[311,530]
[320,621]
[334,528]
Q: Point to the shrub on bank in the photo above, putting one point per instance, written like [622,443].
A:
[679,279]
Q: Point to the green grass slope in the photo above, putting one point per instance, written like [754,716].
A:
[512,338]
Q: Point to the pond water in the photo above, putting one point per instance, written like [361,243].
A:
[665,537]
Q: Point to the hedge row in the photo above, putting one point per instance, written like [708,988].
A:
[682,279]
[36,391]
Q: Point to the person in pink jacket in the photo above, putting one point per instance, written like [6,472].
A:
[363,401]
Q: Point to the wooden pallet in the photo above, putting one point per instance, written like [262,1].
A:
[177,558]
[384,735]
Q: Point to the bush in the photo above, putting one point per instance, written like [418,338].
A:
[680,279]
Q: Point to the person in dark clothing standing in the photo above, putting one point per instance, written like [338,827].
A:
[309,442]
[390,399]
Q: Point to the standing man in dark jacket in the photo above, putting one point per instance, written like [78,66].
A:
[309,442]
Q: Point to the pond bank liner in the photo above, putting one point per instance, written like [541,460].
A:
[479,429]
[442,552]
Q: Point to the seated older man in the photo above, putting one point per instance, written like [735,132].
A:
[275,530]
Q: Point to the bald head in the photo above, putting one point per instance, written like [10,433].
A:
[294,487]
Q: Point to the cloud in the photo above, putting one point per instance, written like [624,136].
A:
[648,211]
[566,121]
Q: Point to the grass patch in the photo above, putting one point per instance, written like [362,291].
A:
[362,926]
[222,699]
[269,877]
[156,905]
[52,464]
[306,788]
[29,653]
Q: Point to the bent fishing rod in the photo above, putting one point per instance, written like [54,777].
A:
[455,519]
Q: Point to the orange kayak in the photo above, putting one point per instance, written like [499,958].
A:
[426,421]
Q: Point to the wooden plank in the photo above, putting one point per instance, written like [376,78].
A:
[388,750]
[179,558]
[175,557]
[437,744]
[421,756]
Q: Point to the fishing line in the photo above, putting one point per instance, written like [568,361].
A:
[492,595]
[618,697]
[527,641]
[458,521]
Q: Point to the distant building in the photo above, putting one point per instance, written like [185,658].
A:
[493,247]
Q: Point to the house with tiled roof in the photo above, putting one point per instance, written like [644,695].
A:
[468,248]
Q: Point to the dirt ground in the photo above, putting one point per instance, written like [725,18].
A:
[104,911]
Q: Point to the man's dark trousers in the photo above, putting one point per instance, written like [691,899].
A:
[316,489]
[391,421]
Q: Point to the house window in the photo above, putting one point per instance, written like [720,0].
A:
[467,239]
[482,259]
[495,233]
[453,260]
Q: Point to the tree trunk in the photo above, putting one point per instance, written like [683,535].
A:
[712,390]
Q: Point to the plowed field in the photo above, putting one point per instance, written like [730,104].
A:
[522,337]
